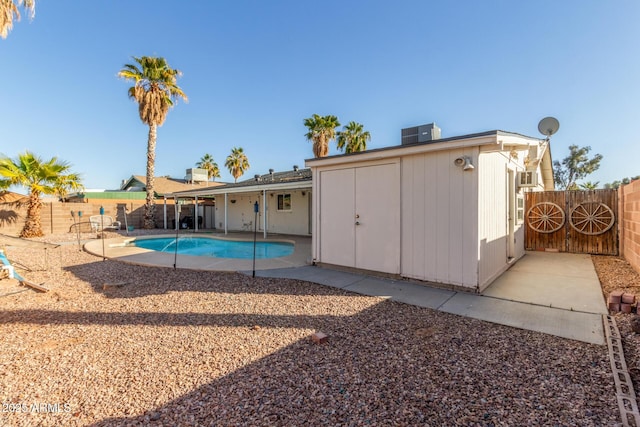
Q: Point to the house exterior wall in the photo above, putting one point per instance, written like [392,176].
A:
[294,221]
[241,214]
[239,210]
[440,218]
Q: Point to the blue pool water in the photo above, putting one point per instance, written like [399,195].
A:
[203,246]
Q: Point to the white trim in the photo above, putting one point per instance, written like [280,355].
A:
[264,213]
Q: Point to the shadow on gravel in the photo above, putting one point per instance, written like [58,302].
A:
[390,364]
[133,281]
[377,369]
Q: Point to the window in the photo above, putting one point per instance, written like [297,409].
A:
[284,202]
[520,209]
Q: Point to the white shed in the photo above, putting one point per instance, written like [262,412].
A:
[448,211]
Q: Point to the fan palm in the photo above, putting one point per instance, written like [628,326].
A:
[40,177]
[9,11]
[353,138]
[207,162]
[322,129]
[589,185]
[155,91]
[237,163]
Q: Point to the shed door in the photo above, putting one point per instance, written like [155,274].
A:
[337,211]
[360,217]
[378,218]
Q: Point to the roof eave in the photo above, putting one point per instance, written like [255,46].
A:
[276,186]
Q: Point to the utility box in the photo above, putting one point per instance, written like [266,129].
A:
[197,174]
[423,133]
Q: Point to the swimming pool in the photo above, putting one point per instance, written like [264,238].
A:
[218,248]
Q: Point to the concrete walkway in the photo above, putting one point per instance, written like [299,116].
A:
[552,293]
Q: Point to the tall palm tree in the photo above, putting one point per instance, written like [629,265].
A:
[207,162]
[155,91]
[40,177]
[353,138]
[9,11]
[237,163]
[322,129]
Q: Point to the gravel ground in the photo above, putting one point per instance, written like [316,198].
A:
[615,273]
[207,348]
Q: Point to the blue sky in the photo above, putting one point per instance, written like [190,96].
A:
[253,70]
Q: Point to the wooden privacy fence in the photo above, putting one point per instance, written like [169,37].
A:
[572,221]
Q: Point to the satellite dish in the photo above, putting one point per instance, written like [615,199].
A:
[548,126]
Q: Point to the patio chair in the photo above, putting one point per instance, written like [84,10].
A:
[103,222]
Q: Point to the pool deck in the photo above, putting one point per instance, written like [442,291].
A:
[116,249]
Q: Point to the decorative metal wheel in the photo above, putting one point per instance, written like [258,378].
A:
[546,217]
[592,218]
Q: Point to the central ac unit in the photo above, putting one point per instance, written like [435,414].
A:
[527,179]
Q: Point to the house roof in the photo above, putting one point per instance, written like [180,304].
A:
[164,185]
[284,180]
[11,197]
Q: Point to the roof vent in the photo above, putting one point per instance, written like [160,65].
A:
[295,168]
[420,134]
[257,177]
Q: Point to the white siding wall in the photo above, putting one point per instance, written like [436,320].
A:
[440,218]
[493,217]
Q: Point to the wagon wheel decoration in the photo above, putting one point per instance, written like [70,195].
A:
[592,218]
[546,217]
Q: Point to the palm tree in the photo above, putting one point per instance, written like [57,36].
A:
[321,131]
[353,138]
[40,177]
[9,11]
[207,162]
[66,183]
[237,163]
[154,90]
[589,185]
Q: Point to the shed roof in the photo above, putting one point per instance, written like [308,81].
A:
[498,138]
[482,138]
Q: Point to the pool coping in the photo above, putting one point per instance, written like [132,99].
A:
[115,249]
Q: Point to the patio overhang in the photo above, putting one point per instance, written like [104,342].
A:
[261,188]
